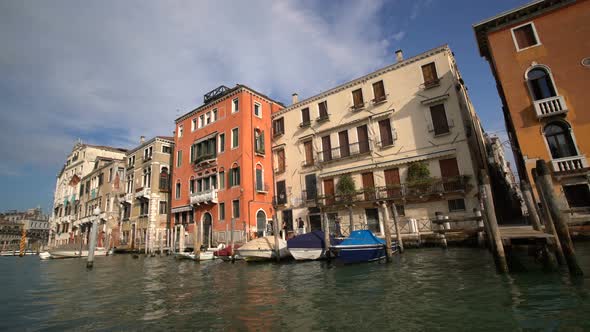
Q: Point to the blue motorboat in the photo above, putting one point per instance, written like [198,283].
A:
[309,246]
[360,246]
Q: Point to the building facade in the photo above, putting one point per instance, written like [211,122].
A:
[146,203]
[34,224]
[66,199]
[223,167]
[406,133]
[539,55]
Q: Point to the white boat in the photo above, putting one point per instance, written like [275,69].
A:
[72,253]
[262,249]
[44,255]
[201,256]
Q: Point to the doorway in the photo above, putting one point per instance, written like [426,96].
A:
[260,223]
[207,229]
[373,220]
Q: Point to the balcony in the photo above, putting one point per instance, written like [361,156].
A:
[550,106]
[205,157]
[147,158]
[280,199]
[262,188]
[204,197]
[379,100]
[128,198]
[341,152]
[323,118]
[143,193]
[305,124]
[430,84]
[568,164]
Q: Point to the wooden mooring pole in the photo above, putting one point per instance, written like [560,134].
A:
[231,235]
[92,244]
[275,227]
[387,231]
[350,220]
[530,205]
[488,201]
[549,225]
[544,176]
[398,234]
[326,235]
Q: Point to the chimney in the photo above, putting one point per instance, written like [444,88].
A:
[399,55]
[141,139]
[295,99]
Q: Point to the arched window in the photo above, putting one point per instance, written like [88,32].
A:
[259,178]
[540,83]
[560,140]
[260,223]
[164,178]
[147,177]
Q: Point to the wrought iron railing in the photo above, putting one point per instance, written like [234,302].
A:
[344,151]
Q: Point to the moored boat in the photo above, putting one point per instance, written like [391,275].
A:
[44,255]
[262,249]
[360,246]
[200,256]
[225,253]
[73,253]
[309,246]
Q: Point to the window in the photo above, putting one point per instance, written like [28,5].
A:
[235,105]
[164,178]
[258,141]
[234,177]
[525,36]
[439,119]
[234,138]
[311,186]
[357,99]
[430,75]
[110,175]
[144,207]
[560,140]
[194,124]
[208,118]
[281,192]
[221,143]
[221,211]
[166,149]
[326,148]
[308,146]
[179,158]
[180,131]
[163,207]
[363,139]
[201,120]
[147,177]
[456,205]
[235,208]
[147,153]
[278,127]
[222,180]
[129,184]
[280,160]
[131,161]
[191,186]
[177,190]
[540,83]
[305,118]
[214,112]
[344,143]
[192,154]
[577,195]
[259,179]
[378,92]
[323,110]
[258,110]
[385,132]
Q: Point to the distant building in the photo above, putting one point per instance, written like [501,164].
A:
[66,199]
[539,55]
[32,221]
[406,133]
[146,184]
[223,169]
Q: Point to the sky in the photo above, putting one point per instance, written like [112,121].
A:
[108,72]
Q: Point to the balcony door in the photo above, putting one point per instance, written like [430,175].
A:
[344,144]
[369,186]
[449,171]
[326,148]
[329,191]
[392,182]
[541,84]
[363,138]
[560,140]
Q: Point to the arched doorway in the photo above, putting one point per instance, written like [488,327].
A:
[559,140]
[260,223]
[207,231]
[541,84]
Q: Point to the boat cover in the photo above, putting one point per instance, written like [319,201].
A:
[263,243]
[314,239]
[362,237]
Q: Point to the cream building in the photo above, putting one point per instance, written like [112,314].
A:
[413,112]
[66,198]
[146,204]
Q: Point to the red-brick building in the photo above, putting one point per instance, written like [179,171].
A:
[222,169]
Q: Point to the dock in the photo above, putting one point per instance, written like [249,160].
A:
[522,235]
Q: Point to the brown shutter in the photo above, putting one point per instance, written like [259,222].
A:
[281,159]
[449,171]
[344,144]
[429,73]
[439,119]
[525,36]
[308,153]
[379,91]
[363,138]
[305,115]
[323,106]
[392,182]
[385,132]
[357,97]
[329,191]
[369,185]
[326,148]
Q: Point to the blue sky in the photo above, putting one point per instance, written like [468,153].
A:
[110,71]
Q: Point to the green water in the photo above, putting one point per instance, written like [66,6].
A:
[422,290]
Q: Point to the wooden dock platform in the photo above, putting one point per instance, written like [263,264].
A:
[522,235]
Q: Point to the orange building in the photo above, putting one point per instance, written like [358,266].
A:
[540,57]
[222,171]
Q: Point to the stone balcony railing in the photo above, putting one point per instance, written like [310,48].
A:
[550,106]
[204,197]
[569,163]
[143,193]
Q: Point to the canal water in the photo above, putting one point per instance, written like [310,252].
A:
[424,289]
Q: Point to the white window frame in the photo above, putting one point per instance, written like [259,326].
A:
[180,131]
[177,190]
[235,109]
[220,147]
[193,124]
[232,138]
[219,209]
[518,49]
[422,73]
[232,207]
[214,115]
[208,118]
[259,109]
[178,158]
[201,120]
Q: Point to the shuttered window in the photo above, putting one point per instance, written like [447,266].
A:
[429,73]
[525,36]
[327,148]
[278,127]
[323,109]
[344,144]
[439,119]
[357,98]
[385,132]
[363,137]
[308,153]
[305,119]
[281,160]
[378,91]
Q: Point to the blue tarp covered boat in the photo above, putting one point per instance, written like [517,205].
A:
[360,246]
[309,246]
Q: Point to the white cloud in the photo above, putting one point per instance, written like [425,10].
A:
[124,68]
[398,35]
